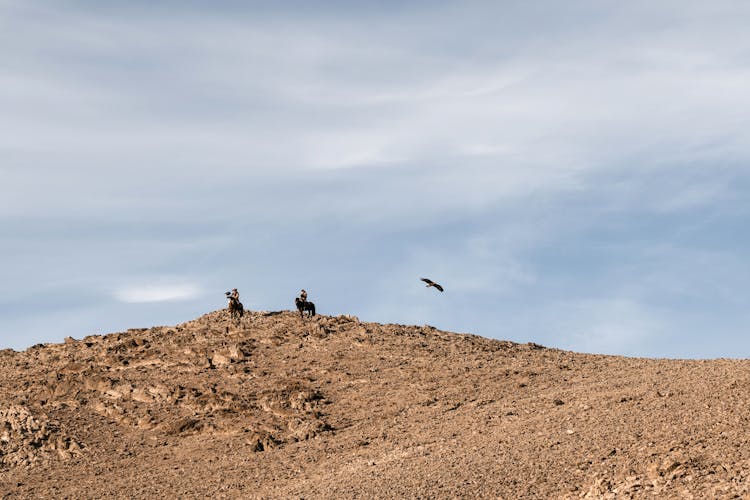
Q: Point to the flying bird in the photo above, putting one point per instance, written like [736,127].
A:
[432,283]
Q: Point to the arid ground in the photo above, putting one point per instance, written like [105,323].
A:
[331,407]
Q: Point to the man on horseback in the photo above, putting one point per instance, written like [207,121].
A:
[303,306]
[235,306]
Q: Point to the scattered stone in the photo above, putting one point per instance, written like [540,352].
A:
[185,425]
[27,439]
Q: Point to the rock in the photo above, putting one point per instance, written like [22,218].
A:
[159,392]
[27,439]
[146,422]
[219,359]
[236,352]
[183,425]
[262,441]
[302,430]
[113,393]
[141,396]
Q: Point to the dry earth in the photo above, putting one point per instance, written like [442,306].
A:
[335,408]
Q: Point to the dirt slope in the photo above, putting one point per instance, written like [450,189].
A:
[336,408]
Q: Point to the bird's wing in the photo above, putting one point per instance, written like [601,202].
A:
[428,281]
[438,287]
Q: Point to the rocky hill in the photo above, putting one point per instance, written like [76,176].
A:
[331,407]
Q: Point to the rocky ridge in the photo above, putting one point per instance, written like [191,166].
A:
[332,407]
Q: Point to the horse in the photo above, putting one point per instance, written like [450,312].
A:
[305,308]
[236,311]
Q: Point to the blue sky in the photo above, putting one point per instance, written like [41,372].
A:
[574,173]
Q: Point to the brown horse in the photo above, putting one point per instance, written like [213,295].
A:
[236,311]
[304,307]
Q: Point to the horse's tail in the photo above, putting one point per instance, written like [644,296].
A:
[312,308]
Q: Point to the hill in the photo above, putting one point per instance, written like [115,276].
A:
[334,407]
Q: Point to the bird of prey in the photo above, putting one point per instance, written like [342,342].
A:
[432,283]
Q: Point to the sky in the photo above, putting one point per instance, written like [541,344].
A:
[574,174]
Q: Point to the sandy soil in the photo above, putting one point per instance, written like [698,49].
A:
[278,407]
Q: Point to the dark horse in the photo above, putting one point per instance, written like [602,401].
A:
[236,311]
[305,308]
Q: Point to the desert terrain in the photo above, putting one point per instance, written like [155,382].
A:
[331,407]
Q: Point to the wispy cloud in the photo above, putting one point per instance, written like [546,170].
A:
[156,293]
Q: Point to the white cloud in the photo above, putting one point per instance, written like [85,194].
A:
[156,293]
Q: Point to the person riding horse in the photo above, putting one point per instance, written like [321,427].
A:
[303,306]
[235,306]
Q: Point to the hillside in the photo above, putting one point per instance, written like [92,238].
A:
[336,408]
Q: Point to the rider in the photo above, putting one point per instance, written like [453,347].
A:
[303,295]
[233,295]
